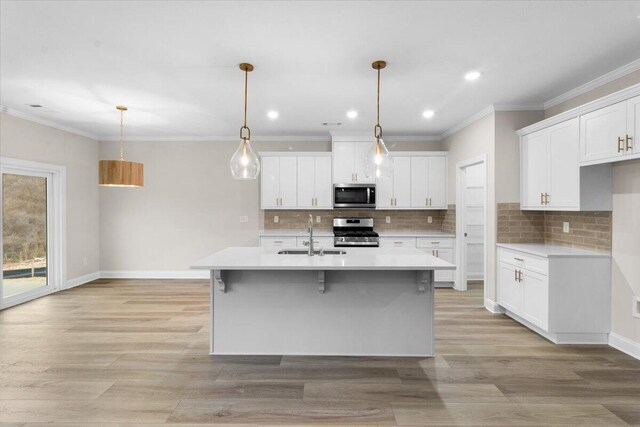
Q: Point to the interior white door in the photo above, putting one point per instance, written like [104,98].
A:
[474,199]
[419,182]
[270,182]
[564,171]
[288,182]
[535,175]
[344,162]
[306,177]
[633,126]
[362,148]
[402,182]
[509,288]
[323,187]
[602,133]
[438,182]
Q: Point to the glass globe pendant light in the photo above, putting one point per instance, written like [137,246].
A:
[245,163]
[378,162]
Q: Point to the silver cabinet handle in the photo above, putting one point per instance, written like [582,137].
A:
[426,201]
[515,274]
[391,201]
[437,253]
[277,241]
[518,259]
[430,203]
[356,176]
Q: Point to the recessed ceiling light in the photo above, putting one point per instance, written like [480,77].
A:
[352,114]
[273,114]
[472,75]
[428,114]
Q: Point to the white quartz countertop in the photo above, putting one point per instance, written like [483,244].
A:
[545,250]
[256,258]
[325,233]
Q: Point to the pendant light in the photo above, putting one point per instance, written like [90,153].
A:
[245,163]
[121,173]
[378,162]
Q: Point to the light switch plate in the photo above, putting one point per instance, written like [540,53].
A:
[318,219]
[388,220]
[636,307]
[276,219]
[429,220]
[244,218]
[565,227]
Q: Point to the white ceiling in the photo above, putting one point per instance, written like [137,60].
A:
[175,64]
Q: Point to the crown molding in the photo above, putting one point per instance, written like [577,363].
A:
[469,120]
[26,116]
[258,139]
[518,107]
[595,83]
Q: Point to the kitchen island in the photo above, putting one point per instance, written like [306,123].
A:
[362,302]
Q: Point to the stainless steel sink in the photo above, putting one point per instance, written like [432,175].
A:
[306,252]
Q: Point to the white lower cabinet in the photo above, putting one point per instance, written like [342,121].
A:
[318,242]
[564,296]
[442,247]
[278,242]
[397,242]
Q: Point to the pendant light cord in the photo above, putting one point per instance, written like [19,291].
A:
[378,118]
[244,127]
[121,134]
[246,80]
[377,129]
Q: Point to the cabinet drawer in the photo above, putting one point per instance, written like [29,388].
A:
[318,242]
[434,243]
[277,242]
[525,261]
[398,242]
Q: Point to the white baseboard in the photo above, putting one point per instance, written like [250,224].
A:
[625,345]
[163,274]
[72,283]
[493,306]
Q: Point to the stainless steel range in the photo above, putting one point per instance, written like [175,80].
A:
[354,232]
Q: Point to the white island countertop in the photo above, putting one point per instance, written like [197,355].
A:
[257,258]
[549,251]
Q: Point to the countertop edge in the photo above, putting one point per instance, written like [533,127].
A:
[585,253]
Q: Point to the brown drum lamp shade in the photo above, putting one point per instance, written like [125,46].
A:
[121,173]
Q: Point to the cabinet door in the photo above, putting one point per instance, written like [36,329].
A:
[278,242]
[534,174]
[288,182]
[445,275]
[633,126]
[564,171]
[306,182]
[402,182]
[323,186]
[384,192]
[600,130]
[270,182]
[362,148]
[535,300]
[419,182]
[509,289]
[438,182]
[344,162]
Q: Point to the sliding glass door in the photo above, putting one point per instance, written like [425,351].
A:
[29,231]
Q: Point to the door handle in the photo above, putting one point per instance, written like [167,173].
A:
[620,147]
[628,147]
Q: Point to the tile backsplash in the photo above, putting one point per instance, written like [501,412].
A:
[587,230]
[409,220]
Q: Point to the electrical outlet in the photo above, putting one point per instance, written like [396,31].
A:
[636,307]
[318,219]
[429,220]
[388,220]
[276,219]
[565,227]
[244,218]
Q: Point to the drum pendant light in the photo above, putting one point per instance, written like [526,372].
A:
[378,162]
[245,163]
[121,173]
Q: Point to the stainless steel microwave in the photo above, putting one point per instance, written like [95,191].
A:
[355,196]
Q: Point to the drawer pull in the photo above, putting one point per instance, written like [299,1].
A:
[518,259]
[397,243]
[278,241]
[435,243]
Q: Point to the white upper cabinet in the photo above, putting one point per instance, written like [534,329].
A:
[279,182]
[395,191]
[609,134]
[551,178]
[429,182]
[349,159]
[314,182]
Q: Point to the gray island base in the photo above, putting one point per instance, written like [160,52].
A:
[367,302]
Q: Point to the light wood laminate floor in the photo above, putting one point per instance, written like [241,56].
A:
[132,352]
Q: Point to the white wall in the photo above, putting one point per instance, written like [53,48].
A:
[189,207]
[474,140]
[23,139]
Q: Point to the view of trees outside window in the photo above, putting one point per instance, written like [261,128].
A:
[24,233]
